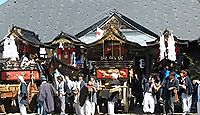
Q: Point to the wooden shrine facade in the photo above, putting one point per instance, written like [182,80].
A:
[114,49]
[68,49]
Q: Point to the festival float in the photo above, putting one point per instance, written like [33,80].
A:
[20,57]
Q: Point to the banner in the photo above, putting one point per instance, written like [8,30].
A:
[106,73]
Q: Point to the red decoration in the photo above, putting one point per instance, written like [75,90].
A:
[98,33]
[11,75]
[177,50]
[106,73]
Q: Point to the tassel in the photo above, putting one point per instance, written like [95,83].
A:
[14,102]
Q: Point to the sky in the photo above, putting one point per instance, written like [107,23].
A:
[2,1]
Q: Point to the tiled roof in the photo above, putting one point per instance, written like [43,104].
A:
[49,17]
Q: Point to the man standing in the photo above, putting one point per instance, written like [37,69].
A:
[46,97]
[149,102]
[22,96]
[170,87]
[91,99]
[80,94]
[137,92]
[61,93]
[187,90]
[113,96]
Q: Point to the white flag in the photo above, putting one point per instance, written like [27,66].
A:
[99,33]
[171,48]
[162,48]
[10,48]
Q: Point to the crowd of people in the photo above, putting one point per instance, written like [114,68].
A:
[65,93]
[166,89]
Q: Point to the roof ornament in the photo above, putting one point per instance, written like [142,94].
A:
[113,11]
[167,46]
[10,48]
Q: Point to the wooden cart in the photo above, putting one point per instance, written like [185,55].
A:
[104,69]
[9,86]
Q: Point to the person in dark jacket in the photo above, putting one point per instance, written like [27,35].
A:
[91,99]
[187,90]
[137,92]
[170,87]
[46,97]
[22,96]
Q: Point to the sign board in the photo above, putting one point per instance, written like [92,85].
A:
[107,73]
[10,75]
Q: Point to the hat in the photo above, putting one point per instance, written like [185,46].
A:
[43,78]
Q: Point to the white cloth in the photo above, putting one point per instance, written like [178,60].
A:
[198,108]
[171,48]
[71,84]
[24,63]
[187,102]
[22,109]
[21,78]
[62,98]
[148,103]
[162,48]
[90,107]
[111,108]
[60,87]
[10,48]
[77,108]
